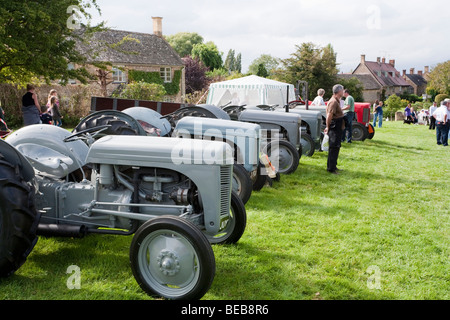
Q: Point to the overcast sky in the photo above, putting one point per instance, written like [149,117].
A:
[414,33]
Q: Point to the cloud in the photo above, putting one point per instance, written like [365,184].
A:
[410,32]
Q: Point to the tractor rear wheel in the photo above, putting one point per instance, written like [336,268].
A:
[18,219]
[171,258]
[117,126]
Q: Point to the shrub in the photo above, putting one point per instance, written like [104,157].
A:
[440,97]
[143,91]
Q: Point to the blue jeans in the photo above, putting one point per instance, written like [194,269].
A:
[380,119]
[442,133]
[348,131]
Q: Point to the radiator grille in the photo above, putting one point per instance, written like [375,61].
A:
[366,115]
[225,189]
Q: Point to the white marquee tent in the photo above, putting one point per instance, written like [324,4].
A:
[251,90]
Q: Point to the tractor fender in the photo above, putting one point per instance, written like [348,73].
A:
[148,118]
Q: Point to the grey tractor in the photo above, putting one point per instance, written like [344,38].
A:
[173,195]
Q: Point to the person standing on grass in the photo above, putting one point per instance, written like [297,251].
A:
[441,115]
[30,107]
[54,111]
[349,114]
[432,109]
[378,113]
[334,127]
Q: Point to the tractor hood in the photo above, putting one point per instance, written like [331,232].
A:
[148,151]
[267,116]
[305,114]
[207,127]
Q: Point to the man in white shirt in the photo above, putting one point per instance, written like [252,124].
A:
[432,109]
[441,115]
[318,101]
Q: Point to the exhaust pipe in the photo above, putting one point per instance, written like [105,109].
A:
[61,230]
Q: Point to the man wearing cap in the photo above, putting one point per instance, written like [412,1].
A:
[441,115]
[334,126]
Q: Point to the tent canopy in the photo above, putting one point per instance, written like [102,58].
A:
[251,90]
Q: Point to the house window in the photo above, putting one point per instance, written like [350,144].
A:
[166,74]
[118,75]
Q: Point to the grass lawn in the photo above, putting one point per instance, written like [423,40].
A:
[380,230]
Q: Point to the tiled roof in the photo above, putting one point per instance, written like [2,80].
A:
[149,49]
[417,79]
[386,74]
[367,80]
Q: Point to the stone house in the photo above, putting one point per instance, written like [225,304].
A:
[417,81]
[380,79]
[129,53]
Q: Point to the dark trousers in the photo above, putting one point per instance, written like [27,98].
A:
[348,118]
[442,133]
[432,123]
[335,134]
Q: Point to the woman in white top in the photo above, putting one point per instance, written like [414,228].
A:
[318,101]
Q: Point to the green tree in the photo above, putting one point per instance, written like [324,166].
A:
[439,78]
[270,64]
[354,86]
[393,104]
[209,54]
[238,63]
[229,63]
[262,72]
[38,40]
[183,42]
[313,64]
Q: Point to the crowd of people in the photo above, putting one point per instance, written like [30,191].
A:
[33,113]
[340,114]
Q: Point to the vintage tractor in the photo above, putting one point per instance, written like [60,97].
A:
[281,133]
[173,194]
[310,127]
[244,139]
[362,129]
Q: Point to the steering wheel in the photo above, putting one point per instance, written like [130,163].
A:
[79,134]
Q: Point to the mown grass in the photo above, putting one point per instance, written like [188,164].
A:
[311,236]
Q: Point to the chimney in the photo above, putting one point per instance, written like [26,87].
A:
[378,59]
[419,72]
[404,73]
[363,59]
[392,62]
[427,69]
[157,26]
[411,71]
[383,60]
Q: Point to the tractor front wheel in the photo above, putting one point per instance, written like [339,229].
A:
[283,156]
[171,258]
[235,226]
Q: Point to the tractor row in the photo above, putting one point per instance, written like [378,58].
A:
[177,183]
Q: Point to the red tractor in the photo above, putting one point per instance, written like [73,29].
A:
[362,129]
